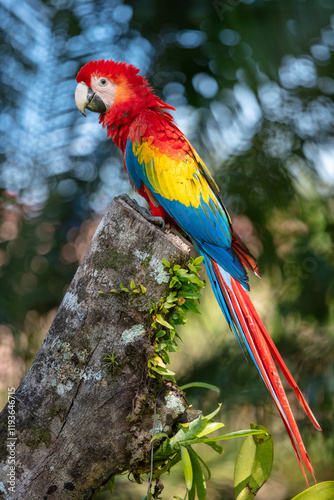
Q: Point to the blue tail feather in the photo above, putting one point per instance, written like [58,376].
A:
[225,304]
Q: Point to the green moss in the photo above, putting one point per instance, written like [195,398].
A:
[117,260]
[86,343]
[59,410]
[39,435]
[147,260]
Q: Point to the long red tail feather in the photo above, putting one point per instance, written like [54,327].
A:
[264,353]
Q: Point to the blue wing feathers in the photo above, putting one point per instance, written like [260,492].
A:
[131,163]
[207,225]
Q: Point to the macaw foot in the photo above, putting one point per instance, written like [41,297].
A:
[145,212]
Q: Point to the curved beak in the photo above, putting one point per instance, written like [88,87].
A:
[85,97]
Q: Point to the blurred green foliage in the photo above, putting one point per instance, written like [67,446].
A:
[252,83]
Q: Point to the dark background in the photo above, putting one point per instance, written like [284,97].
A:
[253,86]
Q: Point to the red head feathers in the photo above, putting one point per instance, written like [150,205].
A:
[129,85]
[113,71]
[123,92]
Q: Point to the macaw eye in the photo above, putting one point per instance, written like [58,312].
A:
[103,81]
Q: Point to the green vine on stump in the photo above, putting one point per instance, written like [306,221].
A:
[170,311]
[184,294]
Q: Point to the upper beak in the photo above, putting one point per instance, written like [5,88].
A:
[85,97]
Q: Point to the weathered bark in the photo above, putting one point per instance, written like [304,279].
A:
[78,424]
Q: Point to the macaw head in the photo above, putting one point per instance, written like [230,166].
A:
[109,85]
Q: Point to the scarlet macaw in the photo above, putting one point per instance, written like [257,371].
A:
[167,171]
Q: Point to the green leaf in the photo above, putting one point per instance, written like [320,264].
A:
[123,288]
[192,492]
[190,294]
[253,464]
[214,413]
[195,279]
[163,371]
[185,434]
[132,285]
[165,358]
[223,437]
[165,262]
[174,281]
[187,467]
[211,427]
[161,346]
[171,297]
[163,322]
[167,305]
[320,491]
[216,447]
[200,384]
[142,288]
[191,429]
[198,260]
[204,464]
[168,465]
[159,436]
[111,484]
[199,478]
[174,348]
[189,306]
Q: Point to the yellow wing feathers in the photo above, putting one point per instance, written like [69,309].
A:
[179,178]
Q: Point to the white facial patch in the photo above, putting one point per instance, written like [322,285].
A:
[105,89]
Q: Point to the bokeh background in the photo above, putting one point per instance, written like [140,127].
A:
[252,82]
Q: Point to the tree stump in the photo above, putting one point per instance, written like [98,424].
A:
[78,423]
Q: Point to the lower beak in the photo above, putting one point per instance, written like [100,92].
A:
[85,97]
